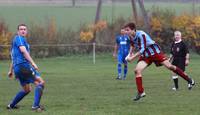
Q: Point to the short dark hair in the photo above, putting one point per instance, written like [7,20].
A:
[131,25]
[21,25]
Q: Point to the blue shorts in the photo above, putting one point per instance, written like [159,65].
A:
[25,73]
[121,58]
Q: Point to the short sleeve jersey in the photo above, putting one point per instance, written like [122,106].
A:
[16,55]
[179,50]
[123,43]
[141,41]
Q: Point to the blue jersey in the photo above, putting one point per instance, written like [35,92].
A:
[144,44]
[123,43]
[16,55]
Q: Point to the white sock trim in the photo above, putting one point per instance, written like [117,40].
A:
[174,77]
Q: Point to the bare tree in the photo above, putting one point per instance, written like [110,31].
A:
[134,10]
[98,11]
[97,17]
[73,3]
[193,7]
[144,13]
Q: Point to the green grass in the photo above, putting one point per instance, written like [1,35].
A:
[69,17]
[75,86]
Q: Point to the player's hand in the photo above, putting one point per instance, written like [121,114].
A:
[186,62]
[114,55]
[129,58]
[35,66]
[10,74]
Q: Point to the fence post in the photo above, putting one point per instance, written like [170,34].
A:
[94,55]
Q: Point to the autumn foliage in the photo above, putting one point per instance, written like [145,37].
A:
[45,38]
[5,38]
[162,29]
[87,34]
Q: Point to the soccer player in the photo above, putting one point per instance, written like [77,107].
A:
[179,56]
[122,46]
[149,52]
[25,70]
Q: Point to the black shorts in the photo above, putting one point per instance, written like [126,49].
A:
[179,62]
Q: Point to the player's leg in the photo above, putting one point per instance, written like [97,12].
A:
[39,87]
[119,70]
[119,67]
[125,69]
[180,64]
[19,96]
[179,72]
[125,65]
[21,71]
[177,63]
[141,65]
[175,80]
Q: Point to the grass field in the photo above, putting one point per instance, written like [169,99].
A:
[75,86]
[72,17]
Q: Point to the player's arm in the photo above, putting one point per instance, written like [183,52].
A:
[10,71]
[27,56]
[115,50]
[131,56]
[171,57]
[116,46]
[130,51]
[142,48]
[187,57]
[143,43]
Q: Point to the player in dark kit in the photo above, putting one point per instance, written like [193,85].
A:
[179,56]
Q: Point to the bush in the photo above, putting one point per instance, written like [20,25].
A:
[5,38]
[165,22]
[45,39]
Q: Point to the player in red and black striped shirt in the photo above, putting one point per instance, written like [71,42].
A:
[148,52]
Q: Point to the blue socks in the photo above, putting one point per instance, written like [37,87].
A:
[119,68]
[125,70]
[20,95]
[38,94]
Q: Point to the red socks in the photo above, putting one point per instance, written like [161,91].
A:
[181,73]
[177,71]
[139,84]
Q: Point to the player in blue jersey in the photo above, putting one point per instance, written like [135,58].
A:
[24,69]
[149,52]
[121,50]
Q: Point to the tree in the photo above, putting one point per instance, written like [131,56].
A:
[134,10]
[98,11]
[73,3]
[144,13]
[97,17]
